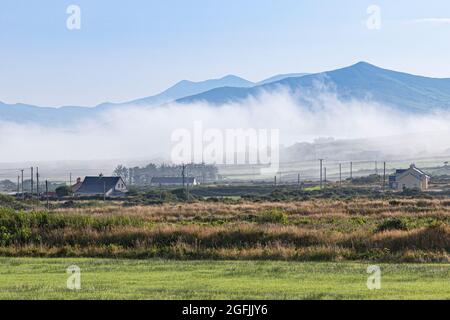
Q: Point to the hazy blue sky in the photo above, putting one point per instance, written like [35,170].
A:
[131,49]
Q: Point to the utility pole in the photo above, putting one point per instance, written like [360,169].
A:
[325,176]
[321,172]
[275,181]
[187,183]
[23,195]
[384,176]
[70,179]
[130,176]
[340,174]
[183,173]
[46,194]
[351,170]
[376,167]
[37,181]
[32,181]
[298,180]
[18,185]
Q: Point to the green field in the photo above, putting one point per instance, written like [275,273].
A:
[36,278]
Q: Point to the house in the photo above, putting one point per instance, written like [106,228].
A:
[102,186]
[412,178]
[76,186]
[173,181]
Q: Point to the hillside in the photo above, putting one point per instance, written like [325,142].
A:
[361,81]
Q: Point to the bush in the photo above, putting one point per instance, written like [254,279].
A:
[63,191]
[273,216]
[392,224]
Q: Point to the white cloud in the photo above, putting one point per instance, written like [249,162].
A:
[134,132]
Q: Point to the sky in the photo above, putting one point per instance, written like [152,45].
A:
[126,50]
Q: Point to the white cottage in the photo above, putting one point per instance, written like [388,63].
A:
[412,178]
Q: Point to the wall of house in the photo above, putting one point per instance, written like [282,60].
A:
[410,181]
[120,186]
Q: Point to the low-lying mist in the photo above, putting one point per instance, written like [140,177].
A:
[133,132]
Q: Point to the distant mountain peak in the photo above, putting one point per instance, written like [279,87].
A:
[364,64]
[362,81]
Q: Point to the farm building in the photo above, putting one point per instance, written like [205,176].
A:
[173,181]
[411,178]
[107,186]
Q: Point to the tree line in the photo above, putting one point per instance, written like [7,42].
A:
[142,176]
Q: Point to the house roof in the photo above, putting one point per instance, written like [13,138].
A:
[76,186]
[173,180]
[413,170]
[98,185]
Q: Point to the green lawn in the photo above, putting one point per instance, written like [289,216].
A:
[34,278]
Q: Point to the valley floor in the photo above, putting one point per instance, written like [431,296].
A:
[46,278]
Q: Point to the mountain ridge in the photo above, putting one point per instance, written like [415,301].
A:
[361,81]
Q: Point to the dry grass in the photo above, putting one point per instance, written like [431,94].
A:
[323,230]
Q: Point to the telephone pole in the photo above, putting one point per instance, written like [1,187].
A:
[37,181]
[321,172]
[351,170]
[46,194]
[32,181]
[183,175]
[325,176]
[130,176]
[23,195]
[18,185]
[384,175]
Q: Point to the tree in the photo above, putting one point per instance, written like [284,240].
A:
[121,171]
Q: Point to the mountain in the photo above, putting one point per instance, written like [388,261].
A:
[281,77]
[361,81]
[23,113]
[188,88]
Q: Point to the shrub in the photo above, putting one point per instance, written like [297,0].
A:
[273,216]
[391,224]
[63,191]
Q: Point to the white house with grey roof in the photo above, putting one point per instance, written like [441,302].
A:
[411,178]
[102,186]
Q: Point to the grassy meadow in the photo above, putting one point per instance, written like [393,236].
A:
[227,248]
[38,278]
